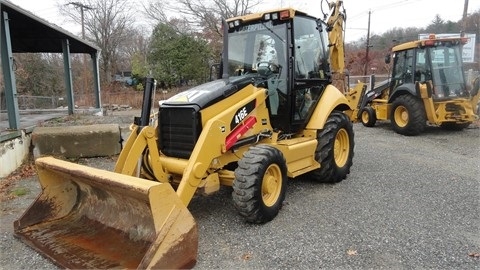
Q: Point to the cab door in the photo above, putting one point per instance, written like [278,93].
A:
[311,69]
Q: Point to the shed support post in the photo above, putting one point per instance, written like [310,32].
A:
[8,74]
[67,66]
[96,81]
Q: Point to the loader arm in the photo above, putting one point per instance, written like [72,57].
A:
[140,140]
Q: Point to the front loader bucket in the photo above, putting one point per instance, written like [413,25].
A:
[86,218]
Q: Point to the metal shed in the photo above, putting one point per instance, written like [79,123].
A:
[23,32]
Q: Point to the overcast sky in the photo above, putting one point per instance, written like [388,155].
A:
[385,14]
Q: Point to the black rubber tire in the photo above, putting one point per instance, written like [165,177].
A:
[407,115]
[251,195]
[368,116]
[454,126]
[336,135]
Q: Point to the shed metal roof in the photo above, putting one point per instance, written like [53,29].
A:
[31,34]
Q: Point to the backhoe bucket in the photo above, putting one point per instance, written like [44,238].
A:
[86,218]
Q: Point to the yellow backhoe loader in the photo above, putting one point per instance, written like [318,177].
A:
[273,115]
[427,85]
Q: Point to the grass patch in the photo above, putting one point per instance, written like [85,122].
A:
[20,191]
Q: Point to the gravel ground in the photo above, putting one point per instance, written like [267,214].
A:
[409,203]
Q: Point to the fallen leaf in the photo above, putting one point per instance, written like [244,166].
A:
[474,254]
[352,252]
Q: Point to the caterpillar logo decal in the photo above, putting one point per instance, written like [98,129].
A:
[241,113]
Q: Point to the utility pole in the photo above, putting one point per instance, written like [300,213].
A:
[82,8]
[368,45]
[464,18]
[82,18]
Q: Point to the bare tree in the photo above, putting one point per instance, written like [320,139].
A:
[199,14]
[106,24]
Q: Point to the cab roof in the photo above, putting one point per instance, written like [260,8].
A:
[259,15]
[430,41]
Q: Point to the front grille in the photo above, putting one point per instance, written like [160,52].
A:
[179,129]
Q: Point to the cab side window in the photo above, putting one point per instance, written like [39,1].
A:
[310,60]
[422,69]
[403,68]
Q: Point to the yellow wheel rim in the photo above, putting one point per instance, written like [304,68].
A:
[365,117]
[271,185]
[342,147]
[401,116]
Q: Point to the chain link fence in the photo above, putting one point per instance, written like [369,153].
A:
[35,102]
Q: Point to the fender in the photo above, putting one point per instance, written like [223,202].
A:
[332,99]
[405,88]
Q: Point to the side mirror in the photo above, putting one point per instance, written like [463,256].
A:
[387,59]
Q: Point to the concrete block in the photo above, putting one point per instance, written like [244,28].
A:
[77,141]
[13,152]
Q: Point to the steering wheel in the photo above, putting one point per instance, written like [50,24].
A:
[265,68]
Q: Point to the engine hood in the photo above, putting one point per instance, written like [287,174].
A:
[208,93]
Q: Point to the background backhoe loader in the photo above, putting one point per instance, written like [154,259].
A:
[273,115]
[427,85]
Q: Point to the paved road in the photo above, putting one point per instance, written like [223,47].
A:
[409,203]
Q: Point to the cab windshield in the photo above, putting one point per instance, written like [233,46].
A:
[257,45]
[447,74]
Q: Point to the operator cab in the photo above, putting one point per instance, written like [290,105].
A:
[286,52]
[435,60]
